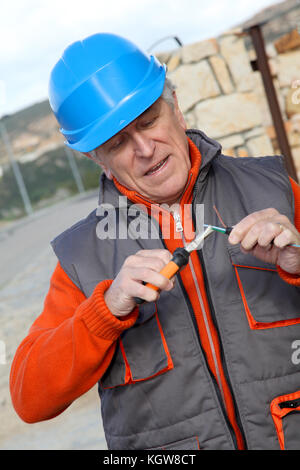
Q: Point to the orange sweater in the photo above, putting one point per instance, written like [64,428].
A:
[70,345]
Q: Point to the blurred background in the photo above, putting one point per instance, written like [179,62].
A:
[236,65]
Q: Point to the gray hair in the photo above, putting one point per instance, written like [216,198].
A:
[167,93]
[167,96]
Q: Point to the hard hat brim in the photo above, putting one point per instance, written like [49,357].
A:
[127,111]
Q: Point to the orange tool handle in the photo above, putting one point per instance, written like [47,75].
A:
[180,259]
[168,271]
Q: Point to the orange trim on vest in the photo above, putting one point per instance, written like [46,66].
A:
[128,374]
[255,325]
[279,413]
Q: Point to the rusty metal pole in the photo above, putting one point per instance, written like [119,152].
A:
[263,67]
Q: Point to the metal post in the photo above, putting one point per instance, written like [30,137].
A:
[16,170]
[263,67]
[74,169]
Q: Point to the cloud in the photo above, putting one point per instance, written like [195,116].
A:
[33,34]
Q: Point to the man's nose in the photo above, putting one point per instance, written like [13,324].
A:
[144,146]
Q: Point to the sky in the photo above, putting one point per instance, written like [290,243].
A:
[34,33]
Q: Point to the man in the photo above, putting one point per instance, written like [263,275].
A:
[209,361]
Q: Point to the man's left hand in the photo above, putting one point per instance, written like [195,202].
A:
[267,234]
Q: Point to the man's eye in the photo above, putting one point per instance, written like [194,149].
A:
[116,144]
[149,122]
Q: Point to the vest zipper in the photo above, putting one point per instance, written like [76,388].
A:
[217,383]
[213,315]
[177,219]
[179,228]
[178,224]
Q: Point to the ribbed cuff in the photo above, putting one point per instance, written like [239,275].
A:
[99,319]
[293,279]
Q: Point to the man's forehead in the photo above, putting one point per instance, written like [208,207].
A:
[154,107]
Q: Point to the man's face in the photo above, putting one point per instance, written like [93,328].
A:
[151,154]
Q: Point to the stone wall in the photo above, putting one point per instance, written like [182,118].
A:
[220,94]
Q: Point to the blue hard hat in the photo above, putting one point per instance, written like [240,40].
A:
[99,86]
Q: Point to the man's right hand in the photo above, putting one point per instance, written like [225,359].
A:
[145,266]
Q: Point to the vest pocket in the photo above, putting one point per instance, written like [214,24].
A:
[192,443]
[142,352]
[285,411]
[269,302]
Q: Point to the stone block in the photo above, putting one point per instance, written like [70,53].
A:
[271,132]
[242,152]
[173,62]
[295,123]
[190,120]
[288,68]
[288,41]
[271,51]
[233,32]
[252,54]
[222,74]
[229,152]
[292,99]
[262,99]
[296,158]
[254,132]
[274,67]
[292,128]
[232,141]
[163,57]
[234,52]
[293,131]
[194,82]
[199,50]
[260,146]
[228,114]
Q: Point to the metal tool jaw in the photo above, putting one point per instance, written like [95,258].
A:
[198,239]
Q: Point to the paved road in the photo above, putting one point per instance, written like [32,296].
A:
[27,262]
[21,242]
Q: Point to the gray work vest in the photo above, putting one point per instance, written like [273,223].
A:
[158,391]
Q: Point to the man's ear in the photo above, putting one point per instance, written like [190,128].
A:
[178,112]
[107,171]
[90,156]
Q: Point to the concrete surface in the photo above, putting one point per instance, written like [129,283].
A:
[27,262]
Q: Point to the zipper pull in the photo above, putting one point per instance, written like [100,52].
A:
[178,224]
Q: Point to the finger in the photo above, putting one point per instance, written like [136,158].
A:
[263,232]
[150,291]
[154,263]
[165,255]
[285,238]
[268,232]
[240,230]
[154,278]
[135,289]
